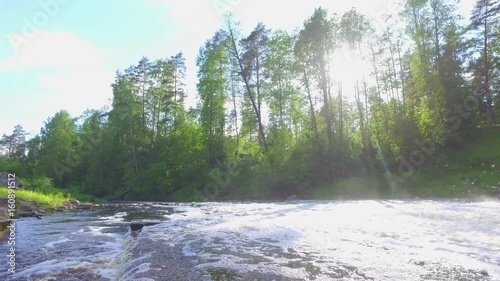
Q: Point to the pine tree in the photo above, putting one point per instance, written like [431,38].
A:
[484,19]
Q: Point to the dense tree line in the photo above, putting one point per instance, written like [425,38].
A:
[273,119]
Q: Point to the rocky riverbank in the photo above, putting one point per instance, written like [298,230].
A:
[32,209]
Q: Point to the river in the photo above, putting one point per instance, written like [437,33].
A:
[299,240]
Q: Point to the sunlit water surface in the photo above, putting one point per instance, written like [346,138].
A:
[303,240]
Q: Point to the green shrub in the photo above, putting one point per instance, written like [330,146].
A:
[40,184]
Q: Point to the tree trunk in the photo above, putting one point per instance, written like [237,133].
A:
[311,105]
[249,92]
[488,98]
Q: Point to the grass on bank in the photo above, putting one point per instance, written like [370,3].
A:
[42,191]
[51,200]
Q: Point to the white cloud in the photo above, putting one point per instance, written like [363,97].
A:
[78,90]
[55,50]
[74,77]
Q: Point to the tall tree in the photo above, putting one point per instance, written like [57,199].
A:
[212,86]
[58,157]
[283,94]
[485,18]
[317,42]
[251,61]
[353,30]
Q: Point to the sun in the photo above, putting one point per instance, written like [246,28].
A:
[347,68]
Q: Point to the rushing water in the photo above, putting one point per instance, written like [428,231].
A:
[303,240]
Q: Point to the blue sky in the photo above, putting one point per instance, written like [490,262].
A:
[63,54]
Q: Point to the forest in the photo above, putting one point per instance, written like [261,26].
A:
[275,119]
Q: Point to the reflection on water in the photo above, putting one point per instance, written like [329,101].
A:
[304,240]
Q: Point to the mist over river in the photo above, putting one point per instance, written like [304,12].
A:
[298,240]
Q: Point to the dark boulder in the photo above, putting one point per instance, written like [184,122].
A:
[138,225]
[4,213]
[28,205]
[29,209]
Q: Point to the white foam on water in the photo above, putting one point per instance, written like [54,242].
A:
[89,247]
[50,267]
[141,268]
[53,243]
[117,217]
[386,240]
[410,238]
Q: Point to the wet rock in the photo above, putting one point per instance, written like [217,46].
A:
[28,213]
[138,225]
[85,206]
[28,205]
[170,210]
[74,202]
[223,274]
[419,263]
[4,216]
[29,209]
[291,198]
[484,272]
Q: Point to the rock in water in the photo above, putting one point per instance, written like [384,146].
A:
[138,225]
[85,206]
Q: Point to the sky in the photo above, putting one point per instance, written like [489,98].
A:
[63,54]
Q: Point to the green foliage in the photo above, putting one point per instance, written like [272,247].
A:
[12,166]
[57,155]
[40,184]
[322,139]
[77,193]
